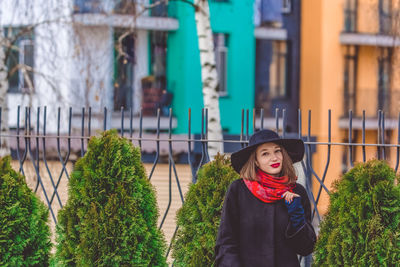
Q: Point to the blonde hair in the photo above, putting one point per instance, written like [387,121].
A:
[249,169]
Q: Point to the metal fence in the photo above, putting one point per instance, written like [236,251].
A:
[31,144]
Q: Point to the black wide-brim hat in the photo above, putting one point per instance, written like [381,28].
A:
[294,147]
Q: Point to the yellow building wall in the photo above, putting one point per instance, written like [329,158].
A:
[321,85]
[322,79]
[367,16]
[367,81]
[395,90]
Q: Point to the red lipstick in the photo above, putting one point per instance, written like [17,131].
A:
[275,165]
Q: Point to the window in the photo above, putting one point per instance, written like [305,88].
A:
[221,60]
[286,6]
[154,87]
[350,78]
[385,14]
[160,8]
[272,86]
[270,12]
[384,70]
[88,6]
[158,41]
[350,16]
[20,60]
[126,7]
[278,70]
[124,56]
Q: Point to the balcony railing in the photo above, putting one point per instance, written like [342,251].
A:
[350,20]
[122,7]
[371,100]
[385,23]
[269,13]
[373,19]
[92,6]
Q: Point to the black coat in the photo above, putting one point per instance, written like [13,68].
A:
[253,233]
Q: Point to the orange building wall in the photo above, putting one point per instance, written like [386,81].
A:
[367,18]
[321,87]
[395,97]
[367,81]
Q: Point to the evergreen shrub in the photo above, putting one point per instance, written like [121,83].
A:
[361,227]
[24,229]
[110,218]
[198,219]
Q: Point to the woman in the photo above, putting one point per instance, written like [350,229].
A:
[266,217]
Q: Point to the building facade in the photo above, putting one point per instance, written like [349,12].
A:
[119,54]
[349,60]
[314,55]
[277,71]
[86,53]
[232,26]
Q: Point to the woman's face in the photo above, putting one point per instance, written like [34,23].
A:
[269,158]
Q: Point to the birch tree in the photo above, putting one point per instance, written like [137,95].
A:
[4,145]
[209,76]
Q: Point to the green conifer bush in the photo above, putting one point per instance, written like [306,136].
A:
[361,227]
[24,229]
[199,217]
[110,218]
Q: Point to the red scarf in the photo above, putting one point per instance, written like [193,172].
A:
[268,188]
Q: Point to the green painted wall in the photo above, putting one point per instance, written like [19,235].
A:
[234,18]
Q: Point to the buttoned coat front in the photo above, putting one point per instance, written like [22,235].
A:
[253,233]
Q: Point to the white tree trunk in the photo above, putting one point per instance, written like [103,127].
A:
[209,76]
[4,144]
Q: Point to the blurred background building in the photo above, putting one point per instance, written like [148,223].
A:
[349,61]
[288,54]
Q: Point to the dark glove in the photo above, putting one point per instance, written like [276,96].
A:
[296,213]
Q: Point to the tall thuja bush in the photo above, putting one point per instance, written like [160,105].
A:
[111,213]
[361,227]
[24,230]
[198,219]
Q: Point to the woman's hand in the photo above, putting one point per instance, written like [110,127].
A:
[295,211]
[288,196]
